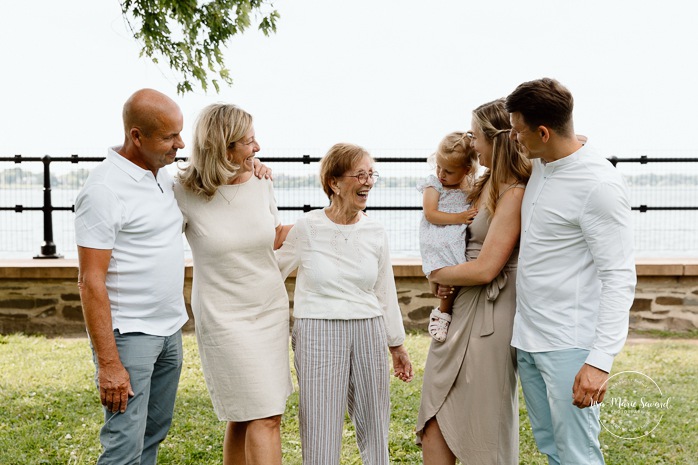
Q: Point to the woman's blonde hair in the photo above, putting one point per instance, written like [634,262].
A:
[218,127]
[455,148]
[337,161]
[507,161]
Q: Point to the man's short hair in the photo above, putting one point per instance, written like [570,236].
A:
[543,102]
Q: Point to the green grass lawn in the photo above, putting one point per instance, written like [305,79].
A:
[50,412]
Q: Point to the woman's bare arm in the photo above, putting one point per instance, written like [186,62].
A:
[502,237]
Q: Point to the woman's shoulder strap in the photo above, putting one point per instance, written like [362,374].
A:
[514,185]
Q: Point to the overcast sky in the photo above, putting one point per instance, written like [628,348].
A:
[392,75]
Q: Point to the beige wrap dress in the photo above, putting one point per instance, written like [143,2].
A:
[470,379]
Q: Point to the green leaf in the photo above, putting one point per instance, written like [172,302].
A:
[190,34]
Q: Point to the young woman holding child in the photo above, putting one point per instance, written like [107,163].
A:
[469,407]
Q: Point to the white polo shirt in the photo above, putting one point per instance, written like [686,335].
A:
[576,273]
[124,208]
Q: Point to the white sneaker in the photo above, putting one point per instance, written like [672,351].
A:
[438,324]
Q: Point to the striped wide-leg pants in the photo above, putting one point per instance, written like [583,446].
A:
[342,365]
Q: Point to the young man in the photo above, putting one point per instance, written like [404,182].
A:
[576,275]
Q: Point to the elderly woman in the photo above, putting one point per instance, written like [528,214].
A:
[346,315]
[469,404]
[238,297]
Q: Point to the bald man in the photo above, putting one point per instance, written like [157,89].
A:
[128,230]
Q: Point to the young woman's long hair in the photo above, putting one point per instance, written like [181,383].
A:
[508,163]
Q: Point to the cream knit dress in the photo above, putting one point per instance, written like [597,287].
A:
[239,300]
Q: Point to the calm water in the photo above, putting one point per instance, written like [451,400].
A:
[657,234]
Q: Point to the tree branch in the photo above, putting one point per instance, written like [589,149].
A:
[189,35]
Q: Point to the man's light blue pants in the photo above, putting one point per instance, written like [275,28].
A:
[566,434]
[154,364]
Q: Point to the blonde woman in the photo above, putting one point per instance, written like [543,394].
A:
[469,404]
[239,300]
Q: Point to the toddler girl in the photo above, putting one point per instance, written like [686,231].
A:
[442,232]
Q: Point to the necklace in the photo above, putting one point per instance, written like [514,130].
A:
[336,225]
[226,198]
[346,238]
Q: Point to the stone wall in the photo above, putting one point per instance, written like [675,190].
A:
[44,306]
[41,296]
[666,303]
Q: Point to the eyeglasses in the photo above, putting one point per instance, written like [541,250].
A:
[362,177]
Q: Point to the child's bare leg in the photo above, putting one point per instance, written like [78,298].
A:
[440,318]
[446,305]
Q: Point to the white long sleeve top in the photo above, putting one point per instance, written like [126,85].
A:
[344,272]
[576,273]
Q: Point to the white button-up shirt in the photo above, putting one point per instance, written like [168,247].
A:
[576,277]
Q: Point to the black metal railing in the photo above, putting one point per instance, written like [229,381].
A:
[643,160]
[49,249]
[307,159]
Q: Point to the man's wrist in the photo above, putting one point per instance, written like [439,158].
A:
[600,360]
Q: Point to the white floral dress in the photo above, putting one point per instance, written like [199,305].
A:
[442,245]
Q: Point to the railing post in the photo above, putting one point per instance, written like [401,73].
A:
[48,248]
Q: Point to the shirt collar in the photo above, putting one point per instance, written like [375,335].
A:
[571,158]
[128,167]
